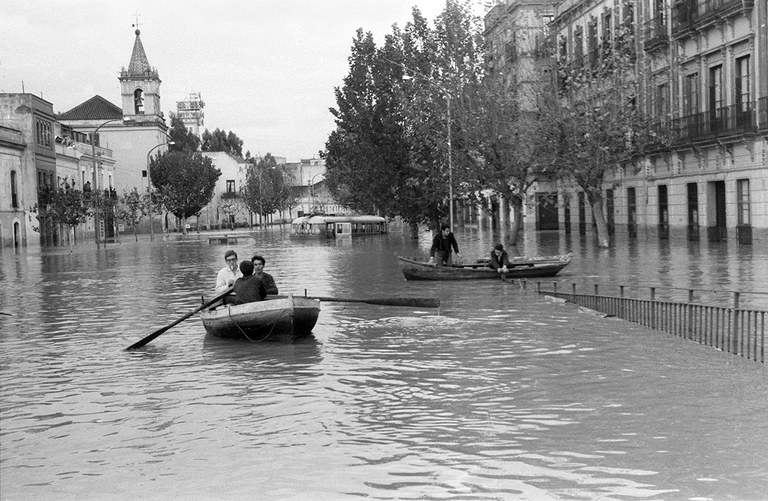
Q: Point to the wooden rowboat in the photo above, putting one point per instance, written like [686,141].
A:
[277,318]
[520,267]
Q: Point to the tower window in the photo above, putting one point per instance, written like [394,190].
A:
[138,101]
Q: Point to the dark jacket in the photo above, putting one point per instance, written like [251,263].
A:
[249,289]
[498,262]
[269,283]
[444,244]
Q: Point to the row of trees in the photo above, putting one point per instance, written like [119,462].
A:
[428,95]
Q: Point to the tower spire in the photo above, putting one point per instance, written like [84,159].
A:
[139,64]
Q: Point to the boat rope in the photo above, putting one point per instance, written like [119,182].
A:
[272,328]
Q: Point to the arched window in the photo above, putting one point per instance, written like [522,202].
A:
[138,101]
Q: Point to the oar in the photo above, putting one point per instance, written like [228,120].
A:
[152,336]
[4,313]
[414,302]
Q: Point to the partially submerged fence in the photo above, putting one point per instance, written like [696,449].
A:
[730,328]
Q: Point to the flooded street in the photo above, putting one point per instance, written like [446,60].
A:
[499,394]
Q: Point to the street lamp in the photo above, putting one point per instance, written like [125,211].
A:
[310,185]
[448,97]
[95,188]
[149,188]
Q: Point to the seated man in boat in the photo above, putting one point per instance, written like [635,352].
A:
[499,259]
[442,245]
[249,288]
[227,275]
[258,270]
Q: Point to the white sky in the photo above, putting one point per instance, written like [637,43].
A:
[266,69]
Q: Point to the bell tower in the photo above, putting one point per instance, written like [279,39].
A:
[140,87]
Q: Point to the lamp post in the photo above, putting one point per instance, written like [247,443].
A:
[95,187]
[149,188]
[310,185]
[448,97]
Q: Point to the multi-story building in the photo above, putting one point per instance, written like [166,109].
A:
[226,209]
[28,166]
[703,72]
[312,193]
[15,194]
[190,112]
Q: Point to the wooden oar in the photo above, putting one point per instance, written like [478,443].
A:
[414,302]
[152,336]
[4,313]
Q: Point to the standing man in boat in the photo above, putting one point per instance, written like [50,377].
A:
[499,259]
[258,270]
[227,275]
[249,288]
[442,245]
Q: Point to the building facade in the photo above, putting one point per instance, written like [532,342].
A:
[15,194]
[703,72]
[190,112]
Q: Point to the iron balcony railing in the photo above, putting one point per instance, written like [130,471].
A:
[655,31]
[762,112]
[691,14]
[727,120]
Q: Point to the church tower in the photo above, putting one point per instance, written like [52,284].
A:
[140,88]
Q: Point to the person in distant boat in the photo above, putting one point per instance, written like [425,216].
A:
[249,288]
[258,270]
[227,275]
[499,259]
[443,246]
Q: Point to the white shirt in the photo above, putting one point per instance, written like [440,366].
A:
[224,277]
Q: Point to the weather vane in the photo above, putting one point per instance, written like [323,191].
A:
[136,25]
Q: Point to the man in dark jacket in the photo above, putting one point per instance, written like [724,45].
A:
[249,288]
[442,245]
[499,259]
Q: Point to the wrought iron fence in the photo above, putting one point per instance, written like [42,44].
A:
[731,329]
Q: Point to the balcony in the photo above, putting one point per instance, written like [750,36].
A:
[762,114]
[655,33]
[727,121]
[691,15]
[230,195]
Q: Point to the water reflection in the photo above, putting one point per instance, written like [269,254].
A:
[499,394]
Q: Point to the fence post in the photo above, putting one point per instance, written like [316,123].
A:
[690,331]
[573,293]
[735,334]
[653,308]
[554,287]
[538,287]
[622,303]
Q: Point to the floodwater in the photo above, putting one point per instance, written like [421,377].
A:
[499,394]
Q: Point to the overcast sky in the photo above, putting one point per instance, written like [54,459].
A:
[266,69]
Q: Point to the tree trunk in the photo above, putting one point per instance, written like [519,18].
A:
[135,233]
[414,230]
[517,222]
[603,239]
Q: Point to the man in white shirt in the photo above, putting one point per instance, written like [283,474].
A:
[227,275]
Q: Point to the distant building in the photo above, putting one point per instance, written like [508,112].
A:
[190,111]
[226,209]
[27,167]
[312,192]
[18,186]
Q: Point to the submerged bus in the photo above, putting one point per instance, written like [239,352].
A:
[320,226]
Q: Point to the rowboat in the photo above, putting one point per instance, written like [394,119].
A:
[520,267]
[276,318]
